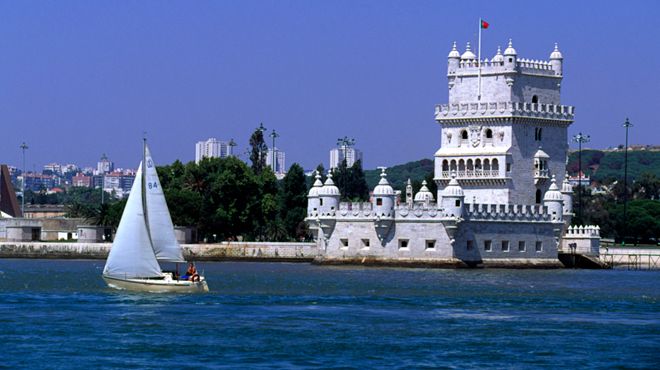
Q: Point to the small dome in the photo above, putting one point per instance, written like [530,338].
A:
[383,188]
[553,193]
[424,194]
[468,54]
[453,54]
[314,191]
[556,54]
[453,189]
[498,58]
[510,50]
[566,186]
[329,189]
[541,154]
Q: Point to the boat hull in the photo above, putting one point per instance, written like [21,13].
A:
[166,285]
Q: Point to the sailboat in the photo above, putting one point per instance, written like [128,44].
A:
[144,238]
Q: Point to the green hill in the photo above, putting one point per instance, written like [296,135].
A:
[607,166]
[399,174]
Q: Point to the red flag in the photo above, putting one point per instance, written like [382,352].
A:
[484,24]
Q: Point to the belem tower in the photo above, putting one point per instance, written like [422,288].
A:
[503,196]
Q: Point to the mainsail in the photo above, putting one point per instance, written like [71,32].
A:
[161,229]
[132,255]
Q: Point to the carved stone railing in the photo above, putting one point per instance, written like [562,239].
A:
[506,212]
[472,174]
[504,109]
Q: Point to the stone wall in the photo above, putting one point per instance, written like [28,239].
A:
[208,252]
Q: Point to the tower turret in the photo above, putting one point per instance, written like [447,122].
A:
[567,196]
[553,199]
[328,197]
[383,197]
[468,55]
[409,194]
[453,59]
[452,199]
[556,61]
[510,56]
[313,197]
[424,195]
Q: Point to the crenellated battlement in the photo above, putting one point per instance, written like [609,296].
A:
[587,231]
[506,212]
[505,109]
[469,67]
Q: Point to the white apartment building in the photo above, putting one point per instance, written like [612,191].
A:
[280,161]
[337,156]
[212,148]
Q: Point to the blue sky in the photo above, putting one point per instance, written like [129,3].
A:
[82,78]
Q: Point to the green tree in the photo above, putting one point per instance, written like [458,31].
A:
[259,150]
[294,202]
[356,184]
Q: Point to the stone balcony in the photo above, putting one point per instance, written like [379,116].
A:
[471,174]
[444,112]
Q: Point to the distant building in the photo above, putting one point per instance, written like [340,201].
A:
[81,180]
[280,161]
[37,182]
[337,156]
[104,165]
[118,182]
[212,148]
[583,180]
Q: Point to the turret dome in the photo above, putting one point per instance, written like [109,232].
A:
[424,194]
[510,50]
[556,54]
[566,186]
[314,191]
[383,188]
[453,189]
[468,54]
[498,58]
[454,54]
[541,154]
[553,193]
[329,189]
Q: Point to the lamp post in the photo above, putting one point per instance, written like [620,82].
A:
[231,145]
[274,135]
[24,147]
[579,138]
[627,125]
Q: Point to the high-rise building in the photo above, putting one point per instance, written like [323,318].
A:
[212,148]
[104,165]
[280,161]
[337,155]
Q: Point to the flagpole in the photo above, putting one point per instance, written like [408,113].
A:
[479,61]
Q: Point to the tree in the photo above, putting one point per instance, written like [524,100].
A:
[356,184]
[259,151]
[294,201]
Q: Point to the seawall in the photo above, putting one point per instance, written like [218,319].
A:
[254,251]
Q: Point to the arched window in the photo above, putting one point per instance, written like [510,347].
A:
[539,134]
[538,196]
[495,166]
[470,165]
[445,165]
[477,164]
[452,165]
[461,165]
[535,99]
[464,135]
[489,134]
[486,164]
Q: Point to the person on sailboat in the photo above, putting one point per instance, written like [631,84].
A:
[191,273]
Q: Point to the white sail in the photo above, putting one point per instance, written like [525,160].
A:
[164,241]
[132,255]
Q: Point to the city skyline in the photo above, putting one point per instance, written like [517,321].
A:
[120,70]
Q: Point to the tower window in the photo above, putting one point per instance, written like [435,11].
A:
[379,201]
[458,203]
[538,196]
[489,134]
[535,99]
[464,135]
[510,60]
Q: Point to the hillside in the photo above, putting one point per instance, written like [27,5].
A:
[399,174]
[607,166]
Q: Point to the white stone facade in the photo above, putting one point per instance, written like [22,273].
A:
[503,145]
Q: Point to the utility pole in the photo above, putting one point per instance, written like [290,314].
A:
[274,135]
[24,147]
[579,138]
[627,125]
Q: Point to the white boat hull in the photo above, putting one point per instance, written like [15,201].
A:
[165,285]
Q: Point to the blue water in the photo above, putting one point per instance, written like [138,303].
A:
[60,314]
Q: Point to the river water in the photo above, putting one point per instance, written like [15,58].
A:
[60,314]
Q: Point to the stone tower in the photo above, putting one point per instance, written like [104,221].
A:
[504,131]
